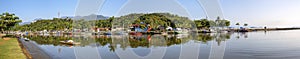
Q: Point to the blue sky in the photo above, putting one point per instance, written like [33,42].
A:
[273,13]
[28,10]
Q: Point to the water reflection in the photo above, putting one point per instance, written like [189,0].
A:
[132,41]
[48,40]
[114,46]
[243,34]
[251,45]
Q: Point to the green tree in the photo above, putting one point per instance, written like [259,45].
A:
[203,23]
[238,24]
[222,23]
[154,20]
[245,24]
[227,23]
[7,21]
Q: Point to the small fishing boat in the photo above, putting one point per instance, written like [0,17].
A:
[70,42]
[26,39]
[107,33]
[181,31]
[135,33]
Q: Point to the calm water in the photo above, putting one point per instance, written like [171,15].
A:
[252,45]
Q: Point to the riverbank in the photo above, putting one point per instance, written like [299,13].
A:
[10,49]
[33,50]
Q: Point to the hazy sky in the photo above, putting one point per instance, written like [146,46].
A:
[275,13]
[272,13]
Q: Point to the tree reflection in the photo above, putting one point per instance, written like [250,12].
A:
[204,37]
[242,34]
[131,41]
[221,37]
[48,40]
[104,40]
[173,40]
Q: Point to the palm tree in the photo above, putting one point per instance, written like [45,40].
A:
[238,24]
[245,25]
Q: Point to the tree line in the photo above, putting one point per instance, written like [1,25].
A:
[11,22]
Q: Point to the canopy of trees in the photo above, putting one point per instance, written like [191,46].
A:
[7,21]
[47,24]
[153,19]
[205,23]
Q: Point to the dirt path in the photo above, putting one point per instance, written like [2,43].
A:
[5,39]
[1,43]
[1,39]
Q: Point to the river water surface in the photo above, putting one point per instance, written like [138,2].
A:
[251,45]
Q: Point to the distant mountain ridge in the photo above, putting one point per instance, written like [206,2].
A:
[89,17]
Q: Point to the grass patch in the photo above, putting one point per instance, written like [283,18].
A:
[10,49]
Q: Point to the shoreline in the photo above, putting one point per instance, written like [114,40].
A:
[34,51]
[154,32]
[25,51]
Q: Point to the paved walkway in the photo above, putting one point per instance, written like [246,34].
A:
[34,50]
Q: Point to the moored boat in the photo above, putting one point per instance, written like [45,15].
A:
[70,42]
[107,33]
[135,33]
[26,39]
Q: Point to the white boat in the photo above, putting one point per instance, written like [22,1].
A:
[26,39]
[181,31]
[70,42]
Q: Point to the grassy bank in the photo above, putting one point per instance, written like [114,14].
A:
[10,49]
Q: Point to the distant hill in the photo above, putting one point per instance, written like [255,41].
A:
[23,23]
[154,19]
[89,17]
